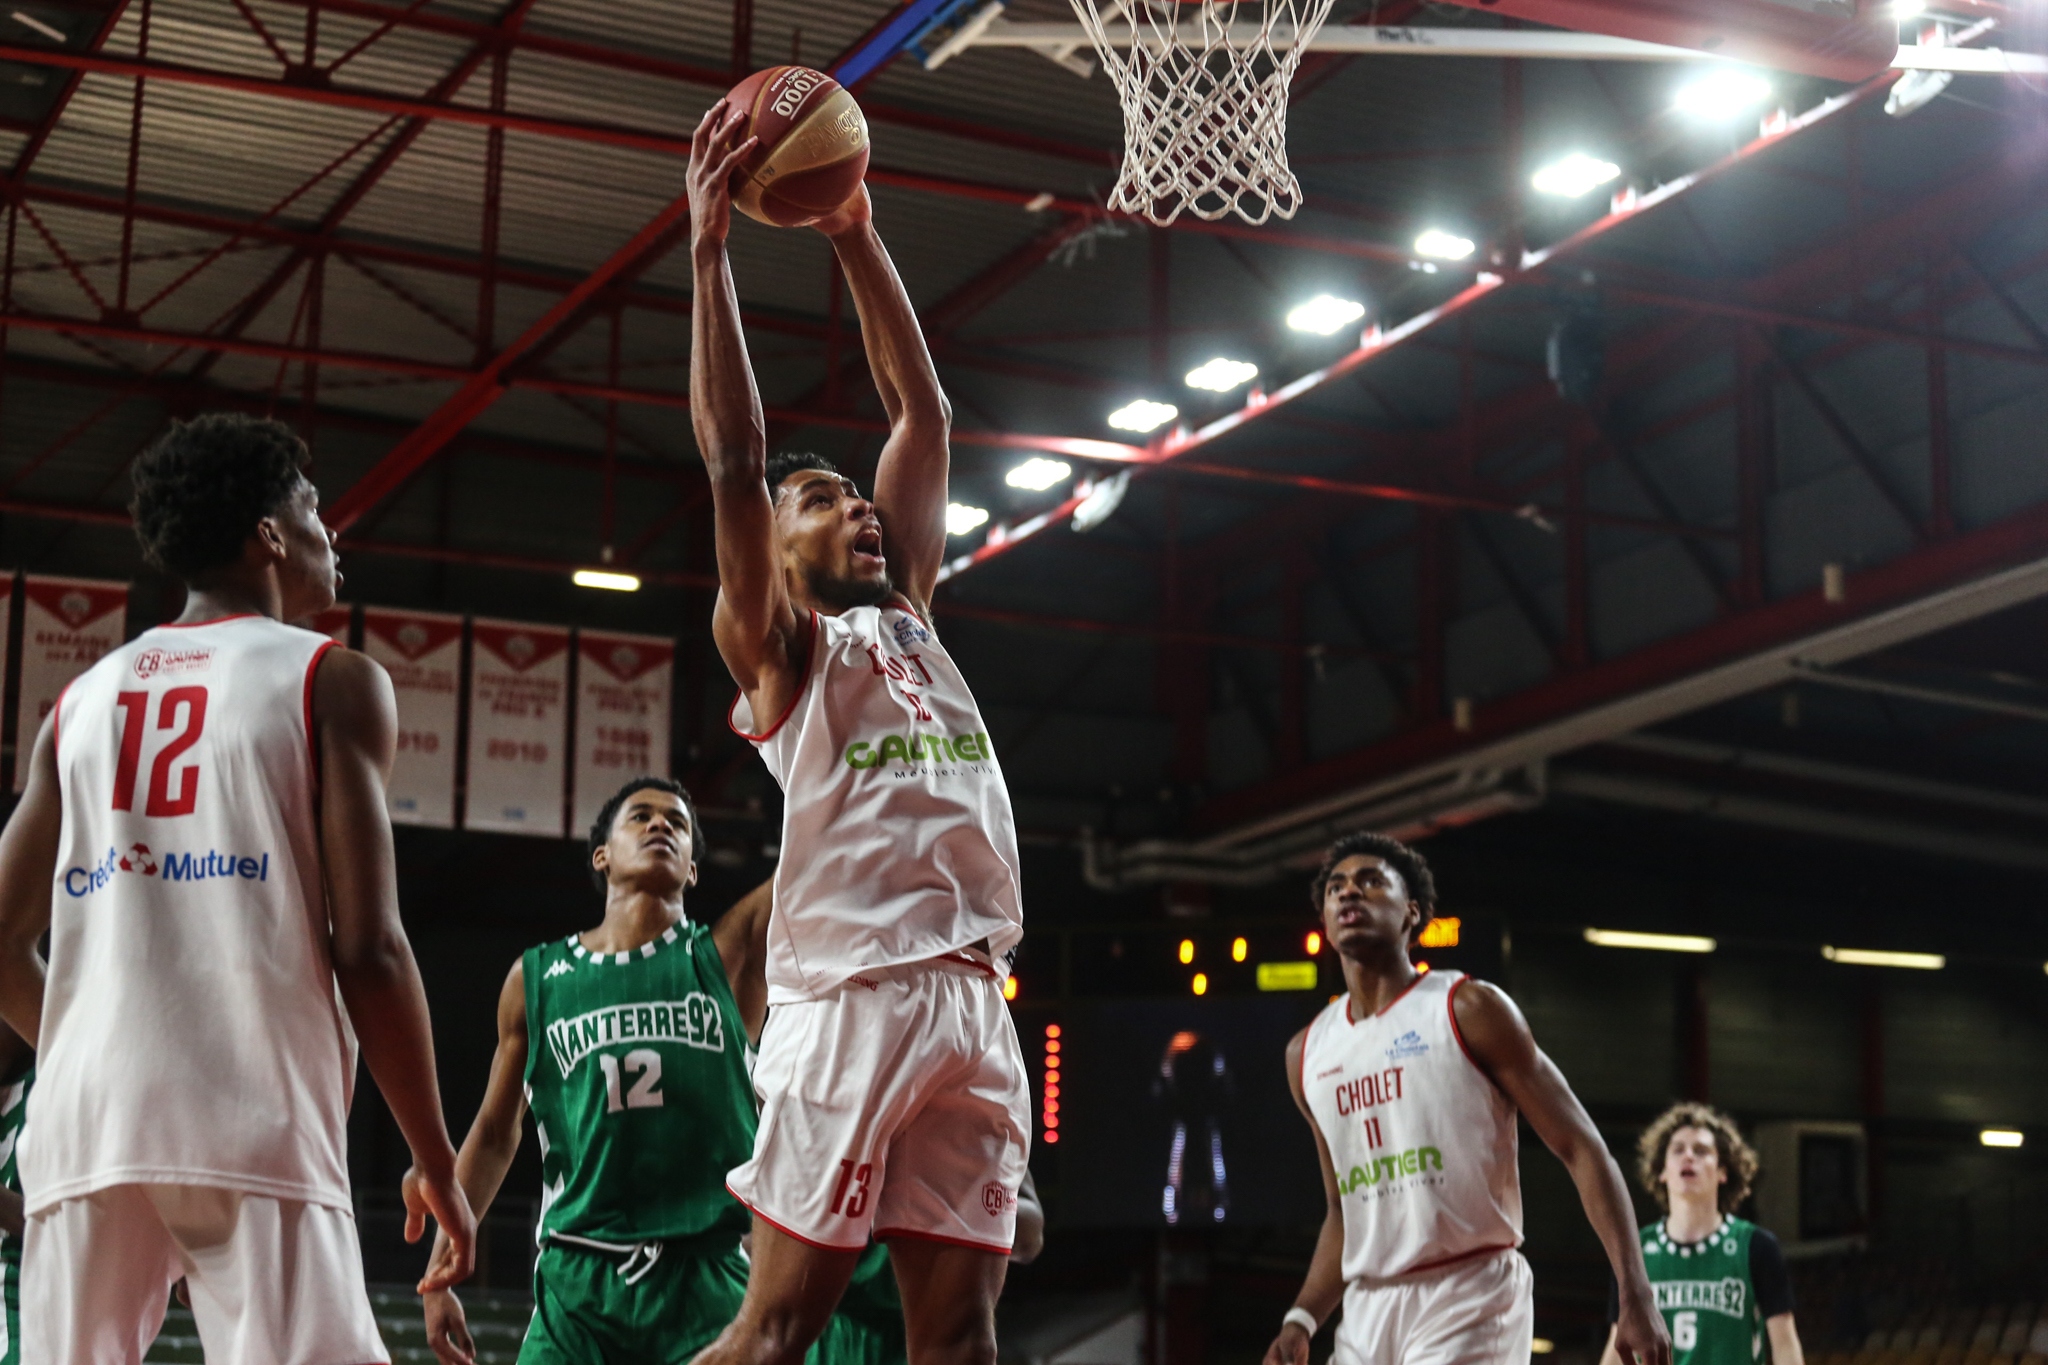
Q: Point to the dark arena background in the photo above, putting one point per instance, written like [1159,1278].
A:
[1648,515]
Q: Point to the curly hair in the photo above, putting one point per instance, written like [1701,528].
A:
[1737,1157]
[1413,867]
[601,827]
[784,463]
[202,486]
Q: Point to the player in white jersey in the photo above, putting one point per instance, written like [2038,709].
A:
[1411,1082]
[892,1085]
[204,837]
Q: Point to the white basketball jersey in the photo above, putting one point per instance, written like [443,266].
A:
[191,1032]
[898,843]
[1422,1142]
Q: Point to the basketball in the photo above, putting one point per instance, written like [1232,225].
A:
[813,147]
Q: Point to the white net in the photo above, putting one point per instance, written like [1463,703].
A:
[1204,90]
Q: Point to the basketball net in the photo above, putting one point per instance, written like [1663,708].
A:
[1203,85]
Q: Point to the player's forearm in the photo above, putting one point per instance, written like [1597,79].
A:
[386,1003]
[725,409]
[1605,1197]
[482,1164]
[905,377]
[1785,1347]
[1323,1288]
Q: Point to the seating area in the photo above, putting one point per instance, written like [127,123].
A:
[1859,1312]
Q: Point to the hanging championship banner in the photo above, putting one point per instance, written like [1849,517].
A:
[422,651]
[66,625]
[622,715]
[333,623]
[518,725]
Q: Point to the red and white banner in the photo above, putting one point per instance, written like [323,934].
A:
[622,714]
[67,624]
[422,651]
[518,727]
[333,623]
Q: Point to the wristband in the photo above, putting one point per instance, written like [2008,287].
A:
[1301,1318]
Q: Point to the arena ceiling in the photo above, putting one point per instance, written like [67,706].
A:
[440,239]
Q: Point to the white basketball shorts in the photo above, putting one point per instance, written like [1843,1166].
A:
[897,1105]
[272,1281]
[1476,1312]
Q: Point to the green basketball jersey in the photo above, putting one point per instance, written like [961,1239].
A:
[1705,1294]
[637,1074]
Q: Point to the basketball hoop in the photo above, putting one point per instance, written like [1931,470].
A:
[1203,85]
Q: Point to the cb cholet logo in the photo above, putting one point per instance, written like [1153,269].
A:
[995,1199]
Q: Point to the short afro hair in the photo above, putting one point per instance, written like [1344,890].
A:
[785,463]
[601,827]
[1413,867]
[1738,1158]
[202,486]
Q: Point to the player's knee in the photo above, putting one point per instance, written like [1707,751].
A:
[783,1333]
[969,1339]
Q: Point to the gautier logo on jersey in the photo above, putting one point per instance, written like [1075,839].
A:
[693,1021]
[910,750]
[139,861]
[1411,1162]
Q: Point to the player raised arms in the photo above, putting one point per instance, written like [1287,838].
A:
[813,542]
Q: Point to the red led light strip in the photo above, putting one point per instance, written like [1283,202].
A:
[1049,1115]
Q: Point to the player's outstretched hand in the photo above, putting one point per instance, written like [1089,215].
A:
[855,212]
[448,1329]
[455,1249]
[1639,1336]
[1290,1347]
[715,151]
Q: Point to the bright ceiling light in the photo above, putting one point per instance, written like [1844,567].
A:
[1909,9]
[2002,1137]
[1038,474]
[1871,957]
[960,518]
[1722,93]
[1445,246]
[1325,314]
[607,579]
[1221,375]
[1574,177]
[1143,414]
[1661,943]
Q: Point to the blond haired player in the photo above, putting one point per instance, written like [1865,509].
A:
[892,1085]
[1720,1280]
[204,837]
[1411,1083]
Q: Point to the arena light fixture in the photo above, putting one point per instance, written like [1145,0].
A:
[1200,985]
[1187,951]
[2002,1137]
[1575,176]
[1009,988]
[1656,943]
[1725,92]
[1325,314]
[609,579]
[1872,957]
[1238,949]
[1440,932]
[1314,943]
[1444,246]
[960,518]
[1287,976]
[1541,1346]
[1909,9]
[1222,374]
[1142,414]
[1038,473]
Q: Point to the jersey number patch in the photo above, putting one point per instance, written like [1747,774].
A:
[646,1091]
[855,1176]
[182,710]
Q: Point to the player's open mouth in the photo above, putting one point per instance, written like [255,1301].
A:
[868,545]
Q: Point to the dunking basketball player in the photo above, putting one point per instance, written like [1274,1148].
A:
[631,1042]
[1411,1082]
[893,1088]
[204,836]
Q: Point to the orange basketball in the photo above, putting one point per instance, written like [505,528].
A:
[813,149]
